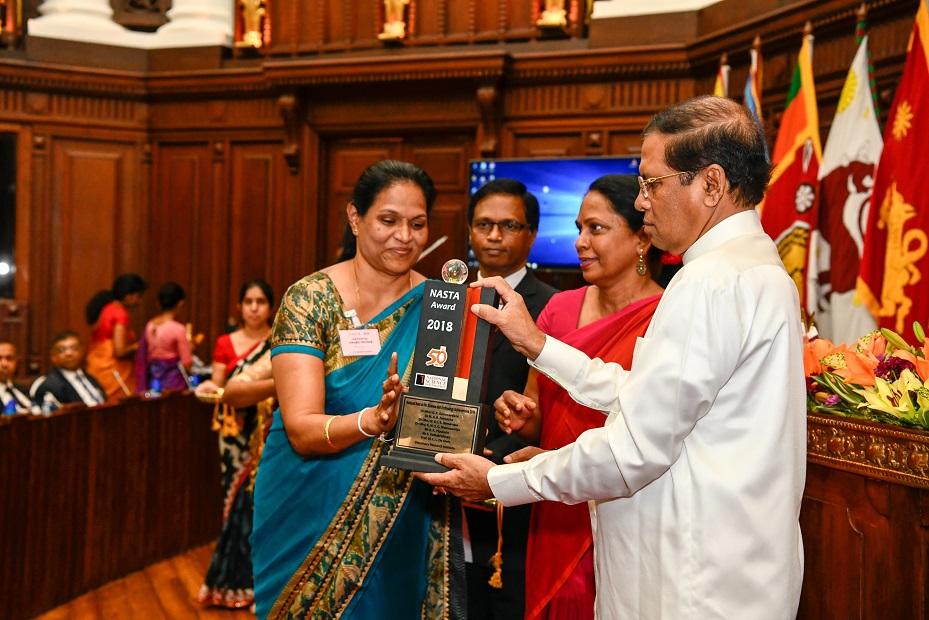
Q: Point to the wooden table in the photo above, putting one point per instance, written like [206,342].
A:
[865,521]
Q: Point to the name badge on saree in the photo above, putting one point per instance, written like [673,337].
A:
[358,342]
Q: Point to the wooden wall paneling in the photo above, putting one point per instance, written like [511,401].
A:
[490,20]
[521,18]
[548,144]
[346,160]
[338,25]
[185,233]
[311,24]
[367,23]
[624,142]
[431,24]
[286,26]
[220,188]
[95,226]
[258,217]
[311,206]
[460,20]
[23,222]
[445,159]
[39,265]
[25,227]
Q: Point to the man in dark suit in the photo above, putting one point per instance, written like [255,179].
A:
[503,219]
[66,382]
[12,398]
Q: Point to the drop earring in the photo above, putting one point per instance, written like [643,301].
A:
[640,267]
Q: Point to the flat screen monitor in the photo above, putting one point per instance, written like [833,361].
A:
[560,185]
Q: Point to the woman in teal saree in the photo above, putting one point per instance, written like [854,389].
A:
[335,535]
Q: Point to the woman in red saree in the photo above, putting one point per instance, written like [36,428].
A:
[113,345]
[604,320]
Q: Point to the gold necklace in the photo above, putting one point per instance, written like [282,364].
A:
[358,290]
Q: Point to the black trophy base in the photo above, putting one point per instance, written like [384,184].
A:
[412,460]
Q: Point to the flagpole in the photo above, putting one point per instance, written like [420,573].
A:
[861,31]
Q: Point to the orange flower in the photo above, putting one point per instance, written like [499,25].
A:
[859,368]
[815,352]
[873,343]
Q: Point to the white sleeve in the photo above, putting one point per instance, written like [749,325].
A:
[35,386]
[678,369]
[590,382]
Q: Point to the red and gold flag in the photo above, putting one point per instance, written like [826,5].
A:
[894,262]
[789,212]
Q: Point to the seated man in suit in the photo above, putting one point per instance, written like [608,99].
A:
[14,400]
[503,218]
[66,382]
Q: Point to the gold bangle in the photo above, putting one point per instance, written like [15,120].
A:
[326,433]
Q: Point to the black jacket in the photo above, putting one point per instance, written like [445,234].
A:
[61,389]
[508,371]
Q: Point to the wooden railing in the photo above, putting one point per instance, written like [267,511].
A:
[90,495]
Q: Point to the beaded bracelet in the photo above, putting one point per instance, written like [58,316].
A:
[326,433]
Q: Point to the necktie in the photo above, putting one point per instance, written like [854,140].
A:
[90,389]
[16,398]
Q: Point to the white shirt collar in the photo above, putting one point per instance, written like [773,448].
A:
[745,223]
[513,279]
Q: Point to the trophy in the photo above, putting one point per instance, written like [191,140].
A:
[444,409]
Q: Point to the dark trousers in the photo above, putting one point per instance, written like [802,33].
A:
[488,603]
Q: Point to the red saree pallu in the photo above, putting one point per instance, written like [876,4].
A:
[559,534]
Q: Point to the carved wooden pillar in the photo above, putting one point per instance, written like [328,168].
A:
[58,16]
[290,109]
[210,19]
[488,131]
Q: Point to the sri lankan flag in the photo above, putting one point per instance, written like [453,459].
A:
[894,262]
[789,212]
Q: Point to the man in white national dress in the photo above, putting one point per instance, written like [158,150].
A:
[697,477]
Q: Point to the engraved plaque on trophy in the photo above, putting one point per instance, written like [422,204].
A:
[444,410]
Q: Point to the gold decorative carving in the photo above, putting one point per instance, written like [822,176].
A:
[254,22]
[875,450]
[11,26]
[37,103]
[394,22]
[554,15]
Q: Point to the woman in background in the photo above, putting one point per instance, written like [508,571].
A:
[163,347]
[604,320]
[112,348]
[243,390]
[336,535]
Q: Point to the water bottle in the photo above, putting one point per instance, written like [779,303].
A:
[194,381]
[48,404]
[154,389]
[10,407]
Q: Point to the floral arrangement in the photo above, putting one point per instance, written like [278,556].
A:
[882,378]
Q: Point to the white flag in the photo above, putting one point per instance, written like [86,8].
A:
[847,177]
